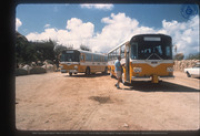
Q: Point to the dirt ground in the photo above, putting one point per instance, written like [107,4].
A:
[55,101]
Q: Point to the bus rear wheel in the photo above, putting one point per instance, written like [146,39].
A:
[87,71]
[105,70]
[70,74]
[111,75]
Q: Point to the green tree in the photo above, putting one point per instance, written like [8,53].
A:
[194,56]
[44,50]
[59,48]
[85,48]
[179,56]
[24,51]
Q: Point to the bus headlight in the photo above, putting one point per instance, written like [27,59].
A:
[137,69]
[75,66]
[169,69]
[61,66]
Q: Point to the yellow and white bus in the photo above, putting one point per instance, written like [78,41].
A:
[78,61]
[145,56]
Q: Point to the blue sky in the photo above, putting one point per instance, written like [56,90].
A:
[106,22]
[35,16]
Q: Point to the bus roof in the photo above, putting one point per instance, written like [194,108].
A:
[140,35]
[118,46]
[87,52]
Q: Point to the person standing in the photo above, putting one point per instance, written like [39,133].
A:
[118,71]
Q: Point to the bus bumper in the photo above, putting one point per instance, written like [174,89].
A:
[63,71]
[136,78]
[153,77]
[69,71]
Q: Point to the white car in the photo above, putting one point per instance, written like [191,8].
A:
[193,71]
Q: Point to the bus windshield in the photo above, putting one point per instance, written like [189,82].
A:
[70,56]
[151,51]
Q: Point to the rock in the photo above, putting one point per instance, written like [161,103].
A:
[125,125]
[181,65]
[27,68]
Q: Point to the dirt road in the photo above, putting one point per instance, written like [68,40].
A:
[55,101]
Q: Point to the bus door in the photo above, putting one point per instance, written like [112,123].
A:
[127,64]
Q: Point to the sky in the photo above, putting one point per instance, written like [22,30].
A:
[101,27]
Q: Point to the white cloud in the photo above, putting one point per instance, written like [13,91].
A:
[98,6]
[47,25]
[76,33]
[185,35]
[119,28]
[49,33]
[18,23]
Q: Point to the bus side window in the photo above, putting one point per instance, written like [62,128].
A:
[167,51]
[82,57]
[122,51]
[102,59]
[110,56]
[105,59]
[134,49]
[96,58]
[99,58]
[88,57]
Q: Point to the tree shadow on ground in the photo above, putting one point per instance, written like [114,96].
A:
[160,87]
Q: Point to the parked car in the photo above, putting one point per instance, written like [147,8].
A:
[193,71]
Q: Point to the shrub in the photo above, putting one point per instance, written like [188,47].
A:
[37,71]
[179,56]
[19,72]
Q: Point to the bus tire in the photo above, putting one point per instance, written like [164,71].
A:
[87,72]
[70,74]
[105,71]
[111,75]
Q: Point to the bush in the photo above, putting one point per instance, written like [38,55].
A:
[19,72]
[37,70]
[179,56]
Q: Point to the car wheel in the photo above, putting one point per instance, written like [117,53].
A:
[188,74]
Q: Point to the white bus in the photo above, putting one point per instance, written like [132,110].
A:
[78,61]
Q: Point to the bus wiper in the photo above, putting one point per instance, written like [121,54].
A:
[154,55]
